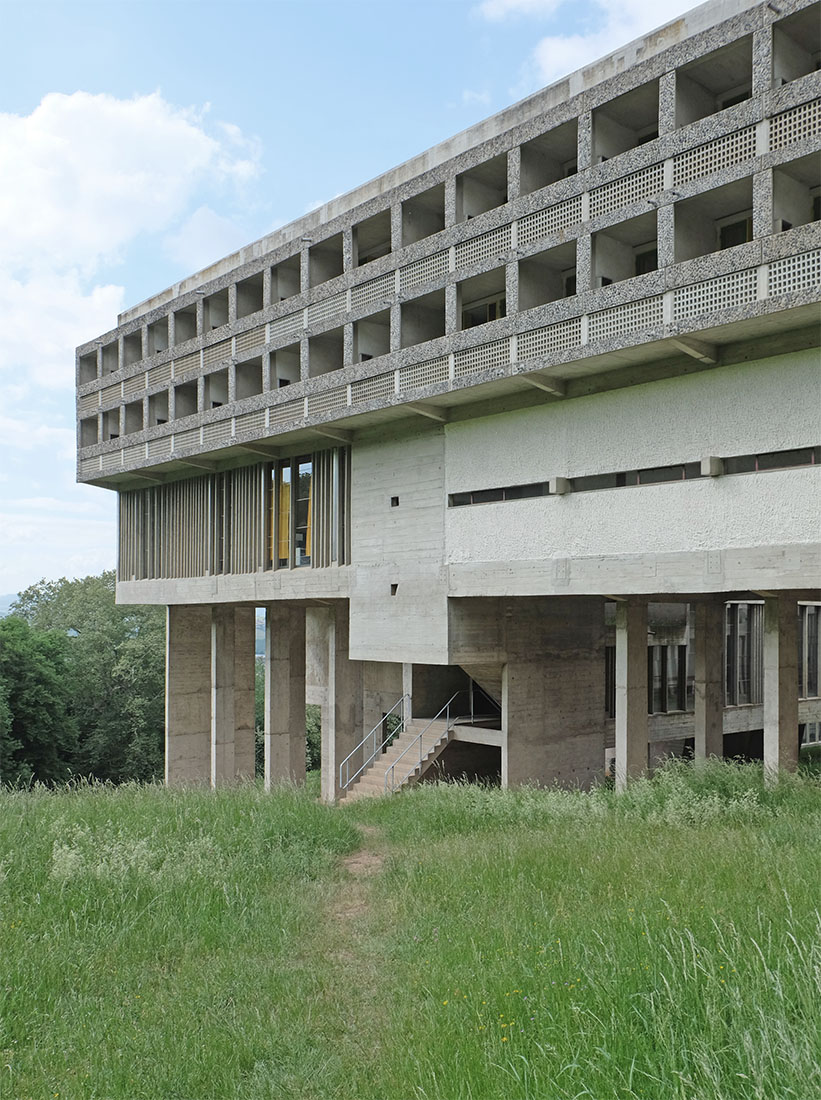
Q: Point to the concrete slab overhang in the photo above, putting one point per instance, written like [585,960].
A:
[634,359]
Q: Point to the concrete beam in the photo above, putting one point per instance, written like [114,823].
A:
[154,479]
[198,464]
[697,349]
[780,685]
[433,412]
[631,691]
[338,435]
[554,386]
[254,449]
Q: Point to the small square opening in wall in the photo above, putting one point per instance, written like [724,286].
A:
[394,502]
[394,589]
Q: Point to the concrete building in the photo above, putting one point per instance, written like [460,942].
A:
[531,420]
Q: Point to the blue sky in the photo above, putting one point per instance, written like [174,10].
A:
[140,141]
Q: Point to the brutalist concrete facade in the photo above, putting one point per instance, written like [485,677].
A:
[466,424]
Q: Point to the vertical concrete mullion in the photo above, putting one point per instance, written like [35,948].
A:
[709,679]
[284,694]
[780,685]
[631,691]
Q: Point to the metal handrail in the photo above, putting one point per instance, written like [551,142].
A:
[346,763]
[391,771]
[473,687]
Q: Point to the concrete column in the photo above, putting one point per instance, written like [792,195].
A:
[709,679]
[284,694]
[631,691]
[342,717]
[232,693]
[381,690]
[667,103]
[780,685]
[244,692]
[553,693]
[222,695]
[188,695]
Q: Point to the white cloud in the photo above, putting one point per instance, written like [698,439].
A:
[501,9]
[612,24]
[204,238]
[45,315]
[557,55]
[91,172]
[35,543]
[85,177]
[469,97]
[30,434]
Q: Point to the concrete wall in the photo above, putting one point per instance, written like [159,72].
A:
[398,545]
[552,651]
[767,405]
[761,406]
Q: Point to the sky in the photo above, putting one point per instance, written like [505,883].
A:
[141,141]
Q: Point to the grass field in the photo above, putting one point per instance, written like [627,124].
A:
[455,943]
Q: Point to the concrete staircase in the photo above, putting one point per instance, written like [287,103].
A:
[372,781]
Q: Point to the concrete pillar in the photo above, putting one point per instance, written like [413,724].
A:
[284,694]
[244,692]
[188,695]
[553,693]
[232,693]
[709,679]
[342,716]
[780,685]
[631,690]
[381,690]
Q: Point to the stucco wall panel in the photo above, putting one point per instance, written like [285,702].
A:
[744,510]
[767,405]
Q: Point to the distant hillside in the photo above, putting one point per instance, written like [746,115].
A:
[6,602]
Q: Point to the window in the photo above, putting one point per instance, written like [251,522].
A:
[479,313]
[647,259]
[737,229]
[309,507]
[809,650]
[744,653]
[283,515]
[666,678]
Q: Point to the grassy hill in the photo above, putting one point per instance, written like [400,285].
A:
[454,943]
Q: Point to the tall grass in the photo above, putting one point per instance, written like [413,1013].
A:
[150,940]
[664,943]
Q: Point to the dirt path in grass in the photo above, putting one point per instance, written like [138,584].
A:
[351,902]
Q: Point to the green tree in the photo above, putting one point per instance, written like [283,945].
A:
[39,740]
[116,658]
